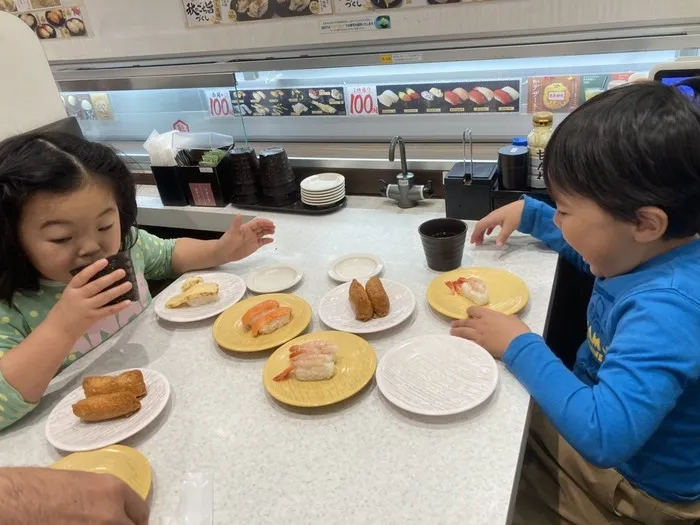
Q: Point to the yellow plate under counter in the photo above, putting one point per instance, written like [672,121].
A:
[125,463]
[355,365]
[508,293]
[230,334]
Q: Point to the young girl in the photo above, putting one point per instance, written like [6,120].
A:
[66,203]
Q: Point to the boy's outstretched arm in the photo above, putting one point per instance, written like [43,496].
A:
[652,357]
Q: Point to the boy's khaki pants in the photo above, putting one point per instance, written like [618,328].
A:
[559,487]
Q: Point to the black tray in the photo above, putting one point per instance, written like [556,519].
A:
[298,207]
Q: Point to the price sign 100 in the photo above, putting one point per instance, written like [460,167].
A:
[219,107]
[362,104]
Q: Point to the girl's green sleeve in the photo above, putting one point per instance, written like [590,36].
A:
[13,330]
[157,255]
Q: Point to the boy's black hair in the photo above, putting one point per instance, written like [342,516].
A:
[633,146]
[51,162]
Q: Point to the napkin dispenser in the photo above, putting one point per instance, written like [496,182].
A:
[468,185]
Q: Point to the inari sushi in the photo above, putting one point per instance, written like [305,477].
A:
[452,98]
[271,321]
[506,95]
[131,381]
[256,311]
[461,93]
[378,297]
[481,95]
[359,300]
[104,407]
[475,290]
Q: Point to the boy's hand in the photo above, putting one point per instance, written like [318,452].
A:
[508,218]
[241,240]
[491,330]
[82,303]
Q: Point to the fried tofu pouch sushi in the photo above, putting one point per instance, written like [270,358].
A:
[360,302]
[378,297]
[106,406]
[131,381]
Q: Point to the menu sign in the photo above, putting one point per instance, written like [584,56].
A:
[490,96]
[49,19]
[289,102]
[556,94]
[212,12]
[592,85]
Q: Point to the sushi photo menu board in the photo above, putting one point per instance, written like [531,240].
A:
[50,19]
[354,6]
[214,12]
[490,96]
[301,102]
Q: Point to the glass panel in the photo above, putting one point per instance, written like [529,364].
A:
[426,101]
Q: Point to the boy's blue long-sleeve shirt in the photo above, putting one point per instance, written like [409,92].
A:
[633,400]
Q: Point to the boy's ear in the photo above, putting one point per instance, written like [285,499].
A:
[651,224]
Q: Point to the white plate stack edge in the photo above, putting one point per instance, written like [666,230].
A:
[323,190]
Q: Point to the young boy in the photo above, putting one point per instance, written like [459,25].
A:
[618,439]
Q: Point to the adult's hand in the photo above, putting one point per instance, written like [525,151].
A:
[36,496]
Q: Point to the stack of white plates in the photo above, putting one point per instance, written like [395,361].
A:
[324,189]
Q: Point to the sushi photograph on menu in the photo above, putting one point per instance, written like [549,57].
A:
[492,96]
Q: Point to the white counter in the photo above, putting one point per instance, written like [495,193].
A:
[360,462]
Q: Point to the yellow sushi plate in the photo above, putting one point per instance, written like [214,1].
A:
[125,463]
[230,334]
[508,293]
[355,365]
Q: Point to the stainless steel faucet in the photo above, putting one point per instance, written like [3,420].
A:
[404,191]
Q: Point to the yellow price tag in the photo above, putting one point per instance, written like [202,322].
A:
[386,59]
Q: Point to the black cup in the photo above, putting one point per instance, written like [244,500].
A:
[115,262]
[443,243]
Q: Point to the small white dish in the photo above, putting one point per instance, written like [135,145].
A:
[437,375]
[323,203]
[231,289]
[327,192]
[271,279]
[337,195]
[355,266]
[335,310]
[322,182]
[67,432]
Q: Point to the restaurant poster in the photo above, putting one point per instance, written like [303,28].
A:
[486,96]
[200,13]
[558,94]
[298,102]
[212,12]
[592,85]
[88,106]
[49,19]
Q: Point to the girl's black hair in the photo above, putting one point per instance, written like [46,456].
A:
[633,146]
[55,163]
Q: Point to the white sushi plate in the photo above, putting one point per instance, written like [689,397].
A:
[335,310]
[231,289]
[322,182]
[437,375]
[271,279]
[355,266]
[67,432]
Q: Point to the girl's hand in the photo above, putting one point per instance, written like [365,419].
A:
[491,330]
[241,240]
[83,302]
[508,218]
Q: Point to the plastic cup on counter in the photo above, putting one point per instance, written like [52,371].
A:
[443,243]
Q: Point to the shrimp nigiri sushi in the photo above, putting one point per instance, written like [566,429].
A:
[271,321]
[256,311]
[475,290]
[312,361]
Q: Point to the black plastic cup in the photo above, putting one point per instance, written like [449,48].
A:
[443,243]
[115,262]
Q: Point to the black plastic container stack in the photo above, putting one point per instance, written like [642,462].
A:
[277,182]
[241,184]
